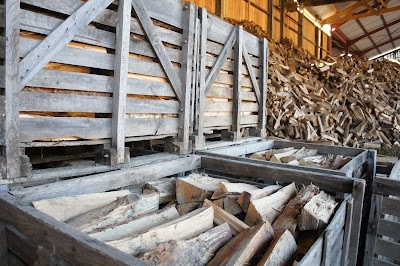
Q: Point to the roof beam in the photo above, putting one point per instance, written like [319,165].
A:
[379,45]
[369,35]
[374,31]
[387,30]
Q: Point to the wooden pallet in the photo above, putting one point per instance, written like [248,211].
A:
[24,226]
[383,235]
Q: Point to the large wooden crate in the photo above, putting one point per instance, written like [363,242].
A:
[230,91]
[383,236]
[362,166]
[29,235]
[93,74]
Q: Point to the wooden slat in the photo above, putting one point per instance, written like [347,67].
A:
[344,260]
[91,128]
[355,163]
[2,16]
[237,85]
[378,262]
[314,255]
[89,82]
[111,180]
[395,173]
[3,244]
[262,113]
[253,77]
[158,47]
[68,243]
[388,249]
[358,194]
[2,77]
[39,23]
[238,150]
[337,250]
[389,228]
[372,232]
[216,106]
[54,43]
[211,121]
[3,47]
[390,206]
[226,93]
[215,49]
[229,65]
[52,102]
[385,186]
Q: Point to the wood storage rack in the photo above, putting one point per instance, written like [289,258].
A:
[382,246]
[362,165]
[23,227]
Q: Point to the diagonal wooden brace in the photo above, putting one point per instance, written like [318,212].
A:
[251,72]
[56,41]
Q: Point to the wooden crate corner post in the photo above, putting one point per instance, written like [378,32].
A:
[3,244]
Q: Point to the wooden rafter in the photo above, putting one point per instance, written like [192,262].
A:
[387,30]
[366,32]
[348,13]
[379,45]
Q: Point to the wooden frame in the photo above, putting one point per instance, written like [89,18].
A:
[229,93]
[65,243]
[353,169]
[81,84]
[382,246]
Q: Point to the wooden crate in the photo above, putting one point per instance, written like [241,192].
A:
[383,235]
[92,74]
[29,231]
[230,91]
[361,166]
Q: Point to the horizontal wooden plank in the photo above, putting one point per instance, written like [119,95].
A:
[215,49]
[390,206]
[388,249]
[110,180]
[2,105]
[229,66]
[389,228]
[356,163]
[97,83]
[225,78]
[39,23]
[65,241]
[86,58]
[227,93]
[379,262]
[41,128]
[218,106]
[2,119]
[278,173]
[2,77]
[52,102]
[2,47]
[2,16]
[238,150]
[211,121]
[385,186]
[107,17]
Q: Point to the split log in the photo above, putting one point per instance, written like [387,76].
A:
[305,242]
[219,203]
[186,208]
[258,155]
[231,205]
[137,226]
[289,217]
[196,251]
[302,153]
[281,251]
[187,226]
[278,156]
[246,197]
[225,189]
[270,153]
[269,208]
[65,208]
[117,212]
[196,188]
[317,212]
[245,246]
[221,216]
[165,188]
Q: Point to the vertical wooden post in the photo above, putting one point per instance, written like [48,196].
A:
[300,30]
[270,17]
[121,80]
[372,230]
[201,88]
[186,76]
[317,34]
[282,13]
[237,85]
[12,88]
[358,195]
[262,112]
[3,245]
[347,232]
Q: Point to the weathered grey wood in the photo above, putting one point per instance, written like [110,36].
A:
[215,49]
[63,240]
[227,93]
[109,181]
[211,121]
[2,76]
[344,260]
[355,163]
[388,249]
[12,73]
[121,80]
[14,260]
[89,128]
[378,262]
[314,255]
[395,173]
[53,102]
[358,196]
[253,78]
[212,75]
[214,106]
[238,150]
[3,245]
[3,45]
[337,250]
[390,206]
[386,186]
[262,112]
[372,230]
[158,47]
[97,83]
[2,15]
[237,85]
[389,228]
[55,42]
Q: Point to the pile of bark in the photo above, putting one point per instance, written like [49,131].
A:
[349,101]
[199,220]
[303,156]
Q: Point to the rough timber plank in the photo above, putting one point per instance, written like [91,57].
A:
[389,228]
[262,112]
[65,241]
[238,150]
[32,129]
[374,222]
[3,244]
[314,255]
[2,16]
[385,186]
[237,85]
[109,181]
[158,47]
[2,44]
[97,83]
[55,42]
[213,121]
[390,206]
[12,73]
[388,249]
[253,78]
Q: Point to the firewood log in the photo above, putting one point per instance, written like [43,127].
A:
[281,251]
[268,154]
[248,196]
[231,205]
[225,189]
[165,188]
[186,208]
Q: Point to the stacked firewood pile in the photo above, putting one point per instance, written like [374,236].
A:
[347,101]
[199,220]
